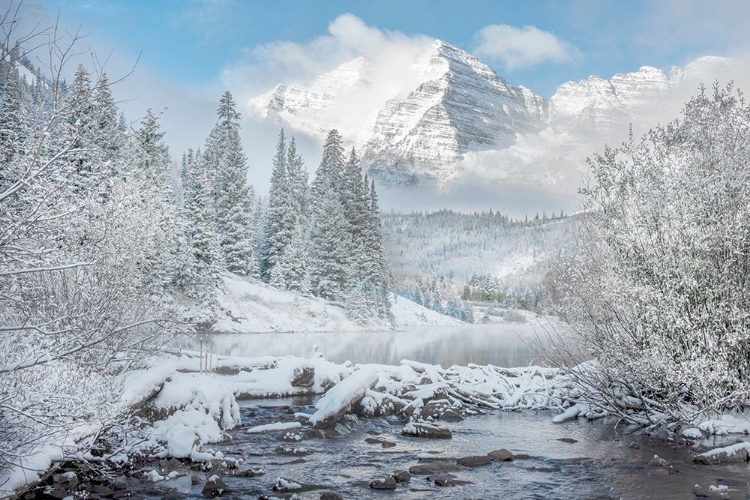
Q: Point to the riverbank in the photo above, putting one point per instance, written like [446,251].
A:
[183,423]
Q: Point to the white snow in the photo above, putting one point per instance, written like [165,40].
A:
[275,427]
[249,306]
[341,396]
[154,476]
[727,450]
[571,413]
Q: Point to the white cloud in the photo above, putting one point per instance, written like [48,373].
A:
[348,37]
[522,47]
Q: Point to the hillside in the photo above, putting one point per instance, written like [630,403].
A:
[249,306]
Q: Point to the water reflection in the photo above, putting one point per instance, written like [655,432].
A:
[501,345]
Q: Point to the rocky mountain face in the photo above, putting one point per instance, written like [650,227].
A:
[598,107]
[455,117]
[460,104]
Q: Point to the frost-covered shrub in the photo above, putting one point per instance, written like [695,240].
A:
[659,284]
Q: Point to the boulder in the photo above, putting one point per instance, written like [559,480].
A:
[253,471]
[501,455]
[736,453]
[426,430]
[214,487]
[331,495]
[303,377]
[474,461]
[657,461]
[386,484]
[401,476]
[434,468]
[451,416]
[382,442]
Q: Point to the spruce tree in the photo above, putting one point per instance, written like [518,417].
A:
[330,259]
[227,164]
[331,168]
[280,219]
[298,179]
[205,258]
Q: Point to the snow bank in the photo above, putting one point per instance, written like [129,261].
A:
[739,452]
[248,306]
[204,407]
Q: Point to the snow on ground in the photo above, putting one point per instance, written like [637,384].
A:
[182,410]
[248,306]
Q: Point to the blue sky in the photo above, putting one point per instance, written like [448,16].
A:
[192,41]
[193,50]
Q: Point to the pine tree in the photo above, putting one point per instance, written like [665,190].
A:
[11,123]
[329,268]
[204,264]
[260,248]
[232,194]
[292,270]
[330,170]
[280,217]
[107,134]
[234,206]
[356,209]
[376,271]
[298,179]
[78,133]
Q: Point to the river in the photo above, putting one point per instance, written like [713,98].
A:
[577,459]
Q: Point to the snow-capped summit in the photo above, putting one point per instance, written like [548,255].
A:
[461,104]
[313,109]
[600,107]
[444,113]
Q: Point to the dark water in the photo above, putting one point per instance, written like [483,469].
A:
[601,463]
[507,345]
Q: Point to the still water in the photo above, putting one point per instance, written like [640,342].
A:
[507,345]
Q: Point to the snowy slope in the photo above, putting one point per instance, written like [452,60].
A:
[248,306]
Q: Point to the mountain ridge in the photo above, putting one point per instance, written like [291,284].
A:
[455,117]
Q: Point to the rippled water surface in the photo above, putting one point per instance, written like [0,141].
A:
[596,460]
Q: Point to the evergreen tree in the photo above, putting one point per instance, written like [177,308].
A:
[11,123]
[232,194]
[204,262]
[299,183]
[331,168]
[107,134]
[329,268]
[280,217]
[292,270]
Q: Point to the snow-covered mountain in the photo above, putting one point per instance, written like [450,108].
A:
[596,106]
[449,117]
[460,104]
